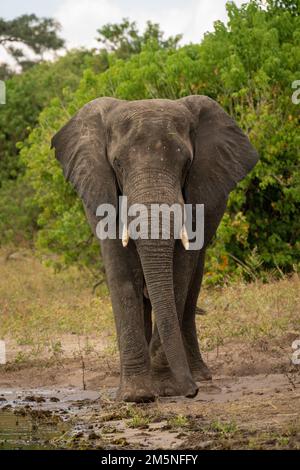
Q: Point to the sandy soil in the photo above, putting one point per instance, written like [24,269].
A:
[252,402]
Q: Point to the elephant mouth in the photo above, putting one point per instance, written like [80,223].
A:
[127,232]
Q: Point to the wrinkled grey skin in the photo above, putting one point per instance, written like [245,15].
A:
[155,151]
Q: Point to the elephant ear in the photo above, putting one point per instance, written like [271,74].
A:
[222,157]
[80,147]
[223,154]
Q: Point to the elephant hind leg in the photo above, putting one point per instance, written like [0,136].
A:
[199,369]
[188,278]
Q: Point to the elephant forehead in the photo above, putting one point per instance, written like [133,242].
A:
[150,116]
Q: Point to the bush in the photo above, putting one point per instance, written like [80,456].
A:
[18,213]
[29,93]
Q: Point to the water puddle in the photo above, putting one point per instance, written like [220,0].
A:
[22,431]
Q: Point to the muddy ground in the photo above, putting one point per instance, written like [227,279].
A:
[253,402]
[58,386]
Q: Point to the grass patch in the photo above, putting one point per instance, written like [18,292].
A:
[178,422]
[249,312]
[38,307]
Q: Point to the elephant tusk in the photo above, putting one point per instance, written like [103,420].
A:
[184,237]
[125,236]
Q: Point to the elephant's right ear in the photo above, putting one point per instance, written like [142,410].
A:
[80,147]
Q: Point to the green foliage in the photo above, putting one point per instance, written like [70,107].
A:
[248,66]
[5,71]
[260,62]
[125,39]
[292,6]
[28,93]
[18,213]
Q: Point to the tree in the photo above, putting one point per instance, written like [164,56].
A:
[5,72]
[293,6]
[28,93]
[37,34]
[125,39]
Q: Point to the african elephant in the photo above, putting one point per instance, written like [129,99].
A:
[155,151]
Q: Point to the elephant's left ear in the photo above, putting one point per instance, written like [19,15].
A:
[223,154]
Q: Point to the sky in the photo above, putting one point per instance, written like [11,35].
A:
[80,19]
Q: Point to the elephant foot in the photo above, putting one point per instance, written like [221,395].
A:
[201,372]
[137,389]
[166,386]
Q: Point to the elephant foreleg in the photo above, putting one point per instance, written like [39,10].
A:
[125,281]
[183,267]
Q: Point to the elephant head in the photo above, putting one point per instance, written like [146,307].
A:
[157,151]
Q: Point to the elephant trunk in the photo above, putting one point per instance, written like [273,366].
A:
[156,257]
[157,263]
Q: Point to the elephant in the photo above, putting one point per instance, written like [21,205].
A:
[184,151]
